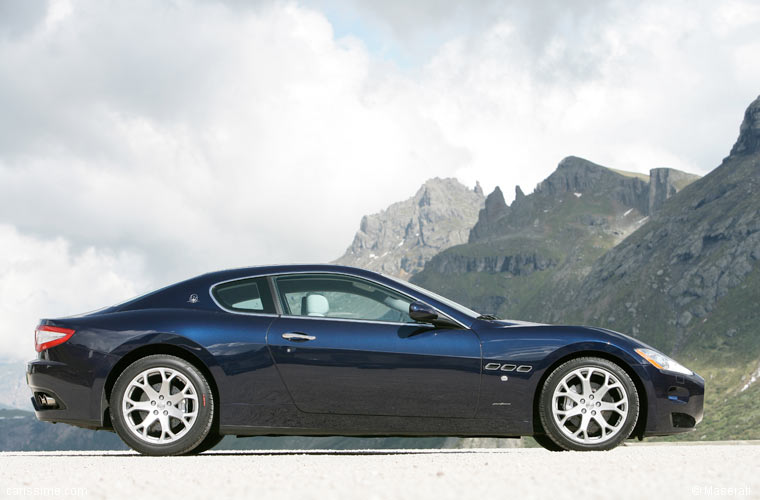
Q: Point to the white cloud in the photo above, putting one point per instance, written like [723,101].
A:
[46,278]
[192,136]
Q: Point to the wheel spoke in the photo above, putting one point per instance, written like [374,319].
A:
[586,382]
[186,393]
[609,384]
[147,422]
[163,421]
[139,406]
[146,388]
[613,407]
[183,416]
[603,425]
[570,393]
[572,412]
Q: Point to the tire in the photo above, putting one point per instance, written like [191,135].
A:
[547,443]
[588,404]
[162,405]
[212,439]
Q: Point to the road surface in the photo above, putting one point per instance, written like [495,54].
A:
[636,471]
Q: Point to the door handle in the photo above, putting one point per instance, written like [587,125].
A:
[297,337]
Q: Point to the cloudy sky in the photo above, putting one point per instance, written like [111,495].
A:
[144,142]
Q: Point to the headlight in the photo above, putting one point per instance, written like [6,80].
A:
[663,362]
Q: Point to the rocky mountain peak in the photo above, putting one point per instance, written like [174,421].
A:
[577,175]
[749,132]
[495,209]
[400,239]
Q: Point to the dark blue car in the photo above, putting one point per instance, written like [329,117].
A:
[328,350]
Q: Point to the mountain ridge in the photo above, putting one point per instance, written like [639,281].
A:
[400,239]
[544,243]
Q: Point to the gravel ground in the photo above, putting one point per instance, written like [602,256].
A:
[649,471]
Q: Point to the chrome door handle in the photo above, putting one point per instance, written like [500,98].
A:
[297,337]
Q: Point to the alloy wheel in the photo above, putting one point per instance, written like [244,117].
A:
[160,405]
[590,405]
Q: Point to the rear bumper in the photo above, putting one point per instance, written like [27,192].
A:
[676,402]
[77,402]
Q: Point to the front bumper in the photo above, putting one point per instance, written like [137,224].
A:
[676,402]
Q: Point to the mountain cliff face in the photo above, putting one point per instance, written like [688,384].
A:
[519,257]
[688,282]
[401,239]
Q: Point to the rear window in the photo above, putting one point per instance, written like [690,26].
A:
[247,295]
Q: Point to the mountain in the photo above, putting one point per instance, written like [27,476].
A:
[688,282]
[402,238]
[523,256]
[14,392]
[21,431]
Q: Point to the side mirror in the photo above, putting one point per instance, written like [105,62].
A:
[422,312]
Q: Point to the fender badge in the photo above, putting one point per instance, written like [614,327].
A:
[193,298]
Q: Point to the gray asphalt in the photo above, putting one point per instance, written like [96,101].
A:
[638,471]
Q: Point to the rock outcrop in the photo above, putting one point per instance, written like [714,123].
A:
[401,239]
[576,175]
[664,183]
[749,132]
[519,264]
[488,219]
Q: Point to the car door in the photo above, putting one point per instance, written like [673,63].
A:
[346,345]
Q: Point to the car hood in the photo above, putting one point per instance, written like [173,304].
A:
[502,328]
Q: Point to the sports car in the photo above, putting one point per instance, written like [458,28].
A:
[315,350]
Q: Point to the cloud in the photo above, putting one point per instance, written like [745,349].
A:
[195,135]
[46,277]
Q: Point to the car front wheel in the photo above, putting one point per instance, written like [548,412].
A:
[162,405]
[588,404]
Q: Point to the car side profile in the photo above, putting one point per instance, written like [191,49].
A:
[317,350]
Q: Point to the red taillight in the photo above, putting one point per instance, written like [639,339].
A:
[46,336]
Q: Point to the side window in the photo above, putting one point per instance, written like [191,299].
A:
[334,296]
[247,295]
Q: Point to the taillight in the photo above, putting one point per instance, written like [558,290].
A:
[46,336]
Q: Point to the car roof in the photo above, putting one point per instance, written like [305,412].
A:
[242,272]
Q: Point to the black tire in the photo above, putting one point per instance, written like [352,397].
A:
[623,427]
[193,435]
[212,439]
[547,443]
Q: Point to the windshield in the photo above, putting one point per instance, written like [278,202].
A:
[443,300]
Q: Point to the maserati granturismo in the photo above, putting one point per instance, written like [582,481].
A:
[316,350]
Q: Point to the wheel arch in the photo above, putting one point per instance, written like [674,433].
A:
[641,423]
[149,350]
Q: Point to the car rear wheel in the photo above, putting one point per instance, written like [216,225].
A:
[588,404]
[162,405]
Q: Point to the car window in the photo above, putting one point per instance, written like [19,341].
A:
[446,301]
[247,295]
[345,297]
